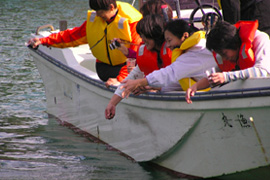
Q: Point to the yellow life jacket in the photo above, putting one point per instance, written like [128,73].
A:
[99,33]
[219,4]
[188,43]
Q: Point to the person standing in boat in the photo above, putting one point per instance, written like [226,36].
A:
[152,55]
[190,56]
[107,20]
[236,10]
[149,7]
[240,51]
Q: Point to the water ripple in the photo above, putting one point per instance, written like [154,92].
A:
[33,146]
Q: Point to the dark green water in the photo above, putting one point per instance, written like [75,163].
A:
[33,146]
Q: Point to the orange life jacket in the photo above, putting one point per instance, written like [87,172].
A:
[147,60]
[246,58]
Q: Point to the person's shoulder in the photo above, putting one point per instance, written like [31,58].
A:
[201,44]
[261,35]
[261,39]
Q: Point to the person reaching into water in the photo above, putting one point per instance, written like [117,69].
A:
[107,20]
[241,51]
[192,59]
[159,7]
[152,55]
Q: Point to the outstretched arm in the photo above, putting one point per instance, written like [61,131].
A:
[244,74]
[130,86]
[111,107]
[67,38]
[201,84]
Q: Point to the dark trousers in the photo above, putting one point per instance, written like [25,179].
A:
[106,71]
[235,10]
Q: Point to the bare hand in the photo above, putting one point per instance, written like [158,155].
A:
[129,86]
[34,42]
[110,111]
[189,93]
[129,68]
[144,89]
[112,81]
[216,78]
[122,47]
[139,90]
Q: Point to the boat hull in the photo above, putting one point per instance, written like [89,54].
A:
[211,137]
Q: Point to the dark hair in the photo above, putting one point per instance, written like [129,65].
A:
[155,7]
[178,27]
[152,27]
[101,4]
[223,36]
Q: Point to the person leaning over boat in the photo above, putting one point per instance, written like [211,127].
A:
[192,61]
[236,10]
[110,19]
[149,7]
[152,55]
[241,51]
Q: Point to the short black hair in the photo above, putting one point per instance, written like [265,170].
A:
[223,36]
[101,4]
[178,27]
[152,27]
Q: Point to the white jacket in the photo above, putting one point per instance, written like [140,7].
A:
[193,63]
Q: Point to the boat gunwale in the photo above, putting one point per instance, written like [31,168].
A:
[164,96]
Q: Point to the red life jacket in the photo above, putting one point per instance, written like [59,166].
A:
[147,60]
[246,55]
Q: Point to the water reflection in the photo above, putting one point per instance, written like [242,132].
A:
[33,146]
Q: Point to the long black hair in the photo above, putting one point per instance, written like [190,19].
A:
[152,27]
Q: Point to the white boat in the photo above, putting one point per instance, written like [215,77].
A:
[213,136]
[225,131]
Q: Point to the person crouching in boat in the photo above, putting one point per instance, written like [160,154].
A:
[152,55]
[107,20]
[240,51]
[192,59]
[159,7]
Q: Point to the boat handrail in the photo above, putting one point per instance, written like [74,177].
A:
[169,96]
[43,27]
